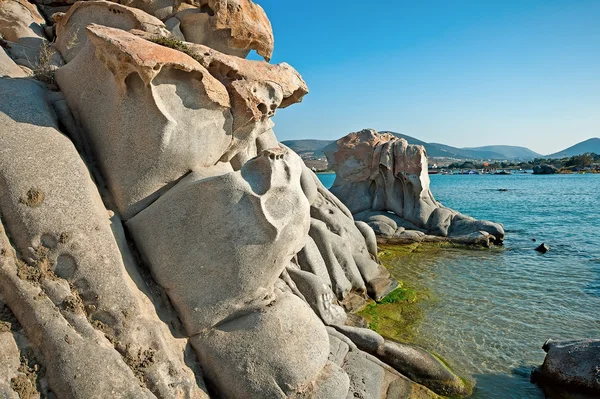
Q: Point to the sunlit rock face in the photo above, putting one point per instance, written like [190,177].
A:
[156,240]
[384,181]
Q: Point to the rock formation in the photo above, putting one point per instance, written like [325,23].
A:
[384,182]
[156,240]
[571,365]
[544,169]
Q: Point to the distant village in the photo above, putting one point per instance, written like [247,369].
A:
[585,163]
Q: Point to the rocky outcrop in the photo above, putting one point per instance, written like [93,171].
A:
[571,365]
[544,169]
[230,26]
[170,239]
[70,27]
[22,31]
[63,264]
[384,182]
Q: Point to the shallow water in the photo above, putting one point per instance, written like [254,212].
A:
[491,310]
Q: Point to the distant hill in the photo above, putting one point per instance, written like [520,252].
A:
[496,152]
[314,148]
[590,145]
[508,151]
[308,147]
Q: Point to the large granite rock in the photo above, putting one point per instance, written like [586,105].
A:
[22,28]
[572,365]
[70,27]
[230,26]
[150,113]
[64,254]
[8,67]
[384,182]
[235,256]
[219,243]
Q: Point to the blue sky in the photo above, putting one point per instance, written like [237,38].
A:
[458,72]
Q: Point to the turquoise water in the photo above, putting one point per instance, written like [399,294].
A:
[491,310]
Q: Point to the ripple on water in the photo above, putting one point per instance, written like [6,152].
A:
[496,308]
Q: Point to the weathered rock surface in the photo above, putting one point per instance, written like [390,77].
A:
[230,26]
[574,365]
[22,28]
[8,67]
[260,213]
[66,258]
[256,341]
[384,182]
[235,256]
[411,361]
[151,113]
[70,27]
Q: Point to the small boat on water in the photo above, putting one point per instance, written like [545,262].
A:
[503,172]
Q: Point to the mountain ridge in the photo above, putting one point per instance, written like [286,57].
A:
[589,145]
[314,148]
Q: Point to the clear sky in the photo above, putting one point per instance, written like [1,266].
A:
[458,72]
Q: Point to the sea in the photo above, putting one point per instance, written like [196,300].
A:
[490,311]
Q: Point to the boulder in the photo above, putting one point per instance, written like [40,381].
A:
[382,175]
[70,27]
[230,26]
[64,251]
[150,113]
[22,29]
[543,248]
[411,361]
[234,233]
[574,365]
[544,169]
[274,352]
[8,66]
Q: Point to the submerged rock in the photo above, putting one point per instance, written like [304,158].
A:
[384,181]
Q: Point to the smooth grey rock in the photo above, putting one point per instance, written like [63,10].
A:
[319,296]
[58,223]
[381,172]
[273,352]
[422,367]
[234,233]
[151,113]
[338,349]
[365,339]
[173,25]
[369,236]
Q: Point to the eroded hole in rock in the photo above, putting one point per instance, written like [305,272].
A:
[66,266]
[206,9]
[262,107]
[33,198]
[104,317]
[48,241]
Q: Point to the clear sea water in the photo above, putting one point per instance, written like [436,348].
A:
[491,310]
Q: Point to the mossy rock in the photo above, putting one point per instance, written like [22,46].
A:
[396,315]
